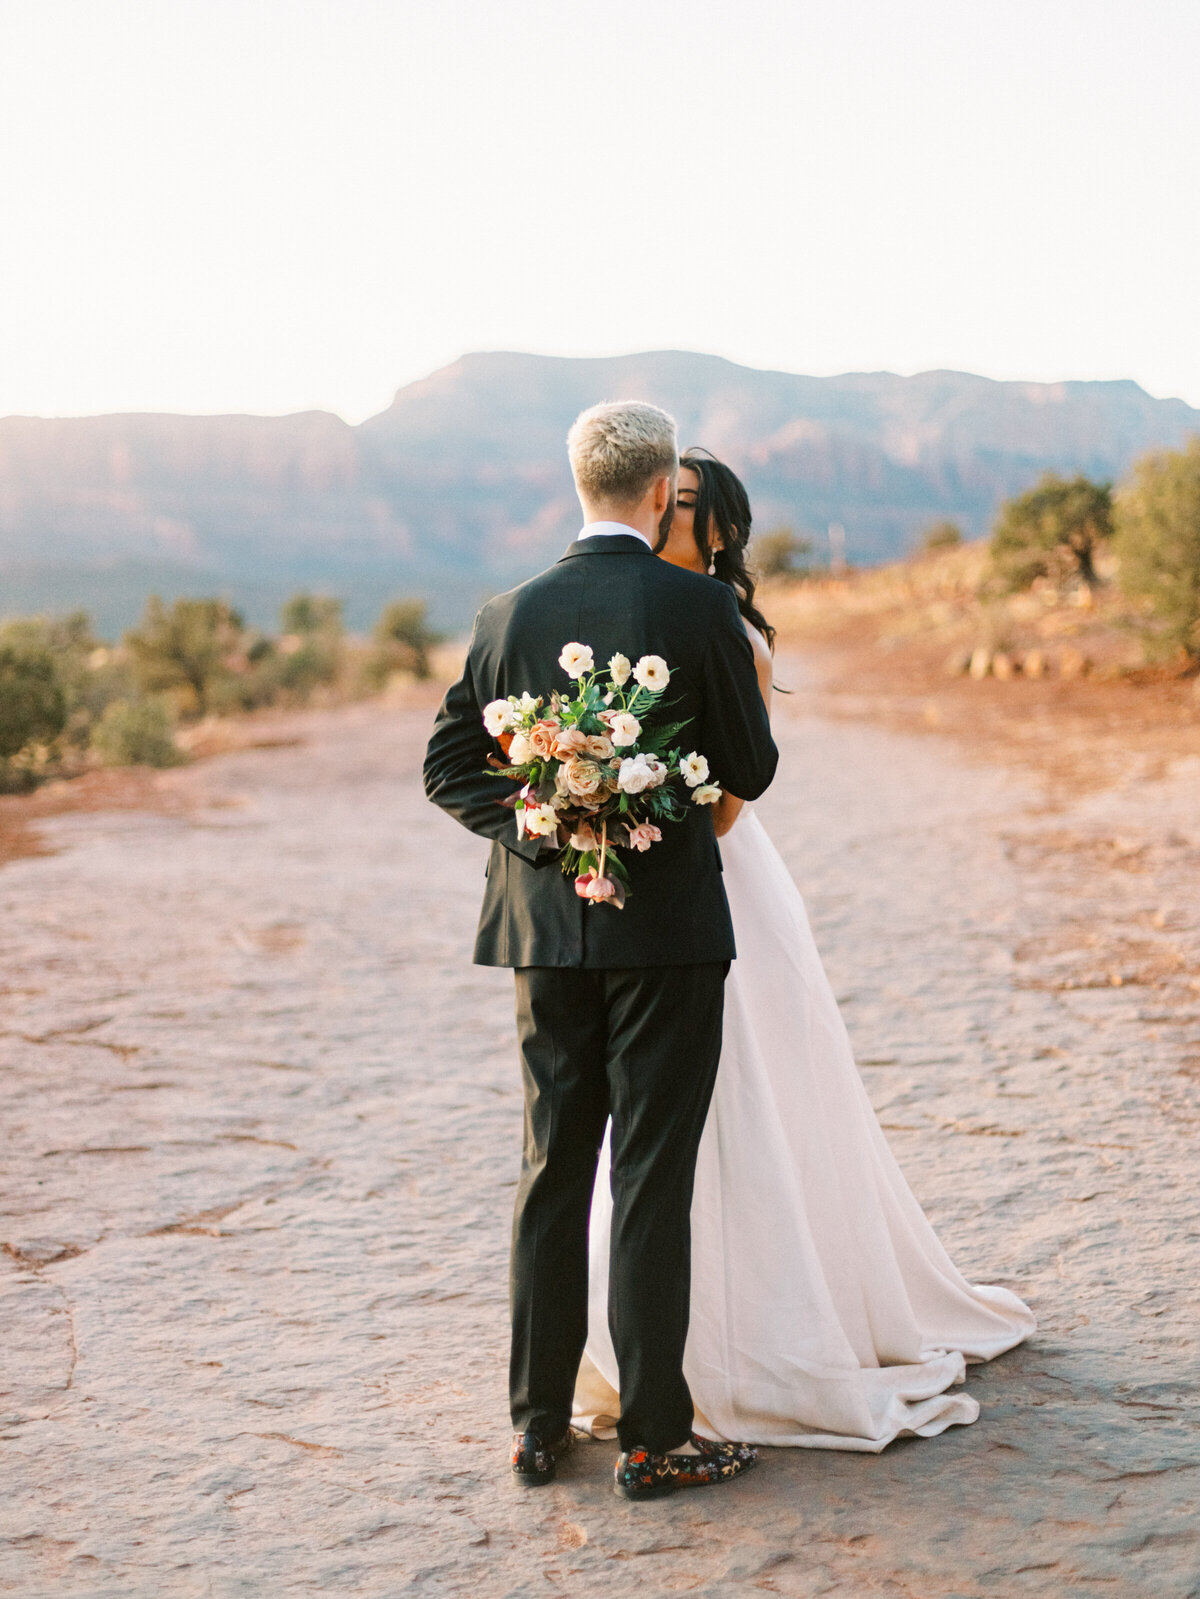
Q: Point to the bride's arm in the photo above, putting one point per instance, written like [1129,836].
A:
[725,812]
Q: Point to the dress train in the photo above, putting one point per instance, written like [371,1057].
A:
[825,1313]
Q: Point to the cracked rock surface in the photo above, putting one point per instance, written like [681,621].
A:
[261,1124]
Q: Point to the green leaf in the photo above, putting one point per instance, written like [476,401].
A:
[615,868]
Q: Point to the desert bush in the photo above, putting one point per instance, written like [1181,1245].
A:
[941,536]
[311,651]
[89,674]
[1054,530]
[33,708]
[780,554]
[311,613]
[190,649]
[136,733]
[401,642]
[317,661]
[1158,546]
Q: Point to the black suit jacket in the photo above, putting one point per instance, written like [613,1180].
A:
[608,592]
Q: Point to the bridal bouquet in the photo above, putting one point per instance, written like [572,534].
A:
[598,769]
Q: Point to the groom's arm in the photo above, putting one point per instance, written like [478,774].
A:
[736,736]
[456,771]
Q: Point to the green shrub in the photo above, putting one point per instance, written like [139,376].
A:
[311,613]
[941,536]
[402,640]
[1158,546]
[33,708]
[780,554]
[87,672]
[1054,530]
[311,652]
[136,733]
[317,661]
[190,649]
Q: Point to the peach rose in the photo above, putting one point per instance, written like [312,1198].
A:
[599,747]
[541,739]
[582,778]
[569,742]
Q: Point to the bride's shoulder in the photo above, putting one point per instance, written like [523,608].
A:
[764,664]
[762,650]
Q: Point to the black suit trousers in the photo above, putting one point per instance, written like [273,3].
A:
[642,1046]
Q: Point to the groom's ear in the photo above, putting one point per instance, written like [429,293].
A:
[664,495]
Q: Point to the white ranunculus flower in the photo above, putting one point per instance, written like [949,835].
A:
[619,670]
[651,672]
[625,729]
[635,775]
[706,794]
[659,770]
[576,659]
[694,769]
[497,717]
[520,752]
[540,819]
[526,704]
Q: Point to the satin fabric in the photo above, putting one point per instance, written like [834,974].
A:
[825,1313]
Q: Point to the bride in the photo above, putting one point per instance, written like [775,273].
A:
[825,1314]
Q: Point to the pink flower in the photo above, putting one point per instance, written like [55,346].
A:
[582,779]
[645,834]
[592,886]
[541,738]
[569,742]
[584,838]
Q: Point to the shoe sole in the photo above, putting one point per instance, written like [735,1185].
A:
[659,1491]
[664,1489]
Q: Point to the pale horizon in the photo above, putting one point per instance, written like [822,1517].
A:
[356,420]
[270,206]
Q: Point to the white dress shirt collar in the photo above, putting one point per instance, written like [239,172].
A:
[608,530]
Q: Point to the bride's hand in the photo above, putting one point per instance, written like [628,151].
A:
[725,813]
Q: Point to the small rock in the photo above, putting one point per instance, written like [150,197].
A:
[1073,663]
[981,663]
[1034,663]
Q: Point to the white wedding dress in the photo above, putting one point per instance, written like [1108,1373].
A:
[824,1312]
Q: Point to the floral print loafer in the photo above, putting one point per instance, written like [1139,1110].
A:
[641,1474]
[534,1462]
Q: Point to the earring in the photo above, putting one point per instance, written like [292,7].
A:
[712,563]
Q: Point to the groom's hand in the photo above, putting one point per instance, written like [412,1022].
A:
[457,779]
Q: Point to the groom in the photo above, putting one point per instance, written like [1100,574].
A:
[618,1011]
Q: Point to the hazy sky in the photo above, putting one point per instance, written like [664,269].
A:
[269,205]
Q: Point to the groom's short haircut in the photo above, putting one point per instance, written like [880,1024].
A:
[619,448]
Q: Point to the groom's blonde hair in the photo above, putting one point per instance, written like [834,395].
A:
[619,448]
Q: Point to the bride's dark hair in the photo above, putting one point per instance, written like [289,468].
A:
[723,506]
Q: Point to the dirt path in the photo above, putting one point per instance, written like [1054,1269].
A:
[261,1123]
